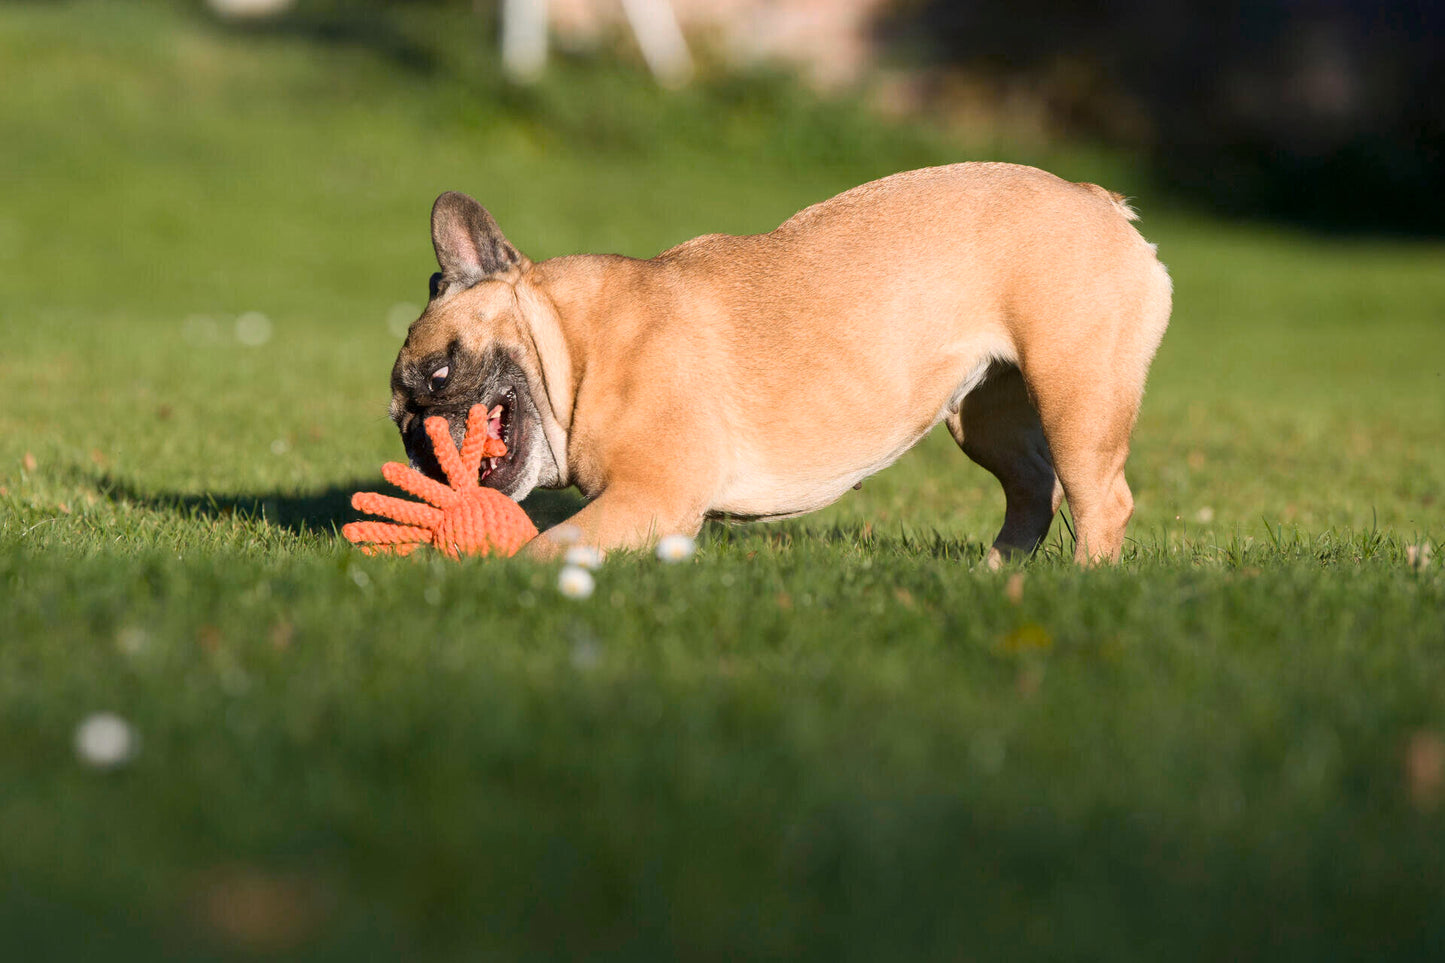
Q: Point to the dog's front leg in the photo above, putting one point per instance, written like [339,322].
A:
[624,516]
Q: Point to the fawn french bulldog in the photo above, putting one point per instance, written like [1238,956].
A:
[763,376]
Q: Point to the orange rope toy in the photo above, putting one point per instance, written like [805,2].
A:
[465,519]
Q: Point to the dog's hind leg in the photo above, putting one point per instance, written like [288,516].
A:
[1089,439]
[1088,423]
[997,426]
[1087,389]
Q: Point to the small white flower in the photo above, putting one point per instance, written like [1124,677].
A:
[676,548]
[584,556]
[253,329]
[1204,516]
[242,9]
[279,446]
[575,582]
[131,639]
[105,740]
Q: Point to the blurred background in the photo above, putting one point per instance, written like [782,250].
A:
[1318,111]
[1324,112]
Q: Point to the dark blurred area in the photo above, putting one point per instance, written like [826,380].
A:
[1327,113]
[1323,113]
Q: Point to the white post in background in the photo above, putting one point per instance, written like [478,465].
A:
[663,47]
[524,38]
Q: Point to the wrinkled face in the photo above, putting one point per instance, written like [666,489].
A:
[468,348]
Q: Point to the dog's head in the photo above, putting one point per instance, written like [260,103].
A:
[471,346]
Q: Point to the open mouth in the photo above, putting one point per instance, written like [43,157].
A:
[501,424]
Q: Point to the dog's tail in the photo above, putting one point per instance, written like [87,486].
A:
[1113,197]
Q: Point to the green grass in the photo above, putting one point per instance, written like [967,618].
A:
[840,738]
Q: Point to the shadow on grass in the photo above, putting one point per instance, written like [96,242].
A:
[319,512]
[323,511]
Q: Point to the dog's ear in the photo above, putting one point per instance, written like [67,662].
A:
[470,246]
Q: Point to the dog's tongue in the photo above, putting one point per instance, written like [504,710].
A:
[494,422]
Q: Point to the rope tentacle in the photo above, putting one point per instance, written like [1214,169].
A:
[397,509]
[385,533]
[415,483]
[447,455]
[478,444]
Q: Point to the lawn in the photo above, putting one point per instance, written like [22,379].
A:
[839,738]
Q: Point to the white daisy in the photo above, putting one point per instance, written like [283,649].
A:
[676,548]
[105,740]
[575,582]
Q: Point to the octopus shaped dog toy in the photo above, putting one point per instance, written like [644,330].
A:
[463,519]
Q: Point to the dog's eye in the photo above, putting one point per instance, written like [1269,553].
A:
[438,378]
